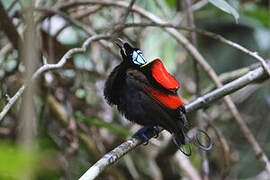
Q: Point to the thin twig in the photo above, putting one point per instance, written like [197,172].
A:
[115,27]
[123,20]
[200,102]
[86,13]
[87,29]
[47,67]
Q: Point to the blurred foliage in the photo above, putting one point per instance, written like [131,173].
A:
[99,123]
[259,13]
[70,139]
[18,162]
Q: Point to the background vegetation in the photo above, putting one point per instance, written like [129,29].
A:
[61,125]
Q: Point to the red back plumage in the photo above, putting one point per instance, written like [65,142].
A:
[162,76]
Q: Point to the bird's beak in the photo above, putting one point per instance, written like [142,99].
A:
[125,48]
[120,42]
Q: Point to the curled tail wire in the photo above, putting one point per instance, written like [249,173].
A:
[195,140]
[198,143]
[180,137]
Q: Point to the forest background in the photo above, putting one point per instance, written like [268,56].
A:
[56,55]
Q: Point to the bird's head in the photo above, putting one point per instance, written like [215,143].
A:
[132,55]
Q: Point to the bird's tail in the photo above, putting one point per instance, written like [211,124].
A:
[180,138]
[182,141]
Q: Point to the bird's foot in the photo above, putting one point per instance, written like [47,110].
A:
[141,133]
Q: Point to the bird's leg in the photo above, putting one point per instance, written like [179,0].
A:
[156,131]
[141,133]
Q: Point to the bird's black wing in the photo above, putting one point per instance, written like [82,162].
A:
[138,106]
[114,84]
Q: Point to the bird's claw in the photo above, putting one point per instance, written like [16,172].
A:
[141,133]
[156,131]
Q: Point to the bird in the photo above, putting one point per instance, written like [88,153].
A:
[147,94]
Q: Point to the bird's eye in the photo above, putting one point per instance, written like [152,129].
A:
[138,58]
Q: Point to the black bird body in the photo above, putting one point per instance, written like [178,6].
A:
[145,93]
[131,88]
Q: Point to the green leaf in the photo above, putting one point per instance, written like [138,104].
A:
[224,6]
[99,123]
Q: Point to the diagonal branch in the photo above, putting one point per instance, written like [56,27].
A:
[200,102]
[128,11]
